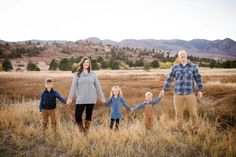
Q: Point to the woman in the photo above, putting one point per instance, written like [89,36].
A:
[86,85]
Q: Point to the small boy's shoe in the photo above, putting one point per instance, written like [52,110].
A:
[86,126]
[194,130]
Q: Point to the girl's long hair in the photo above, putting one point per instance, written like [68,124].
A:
[80,68]
[116,87]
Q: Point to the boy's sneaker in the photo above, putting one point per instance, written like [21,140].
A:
[194,130]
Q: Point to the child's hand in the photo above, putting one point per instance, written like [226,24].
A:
[200,94]
[132,109]
[41,113]
[160,94]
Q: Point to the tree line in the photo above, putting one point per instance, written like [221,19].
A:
[71,64]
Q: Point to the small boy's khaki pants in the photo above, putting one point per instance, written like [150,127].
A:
[52,114]
[148,117]
[191,103]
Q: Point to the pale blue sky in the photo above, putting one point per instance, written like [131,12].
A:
[117,19]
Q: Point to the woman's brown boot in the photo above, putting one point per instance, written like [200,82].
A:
[86,126]
[81,126]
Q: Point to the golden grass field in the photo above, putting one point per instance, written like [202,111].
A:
[21,125]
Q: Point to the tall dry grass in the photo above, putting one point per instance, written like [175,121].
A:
[21,125]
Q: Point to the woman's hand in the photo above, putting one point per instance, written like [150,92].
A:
[103,101]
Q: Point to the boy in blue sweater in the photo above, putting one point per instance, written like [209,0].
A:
[47,106]
[148,112]
[115,100]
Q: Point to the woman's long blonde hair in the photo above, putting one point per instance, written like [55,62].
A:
[80,69]
[116,87]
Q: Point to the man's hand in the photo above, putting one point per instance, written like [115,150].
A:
[162,93]
[200,93]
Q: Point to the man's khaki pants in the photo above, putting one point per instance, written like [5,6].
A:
[52,114]
[191,103]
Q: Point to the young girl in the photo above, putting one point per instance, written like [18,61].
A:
[115,99]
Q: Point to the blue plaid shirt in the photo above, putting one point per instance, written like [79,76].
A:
[184,78]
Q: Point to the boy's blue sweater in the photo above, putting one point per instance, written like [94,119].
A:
[115,108]
[48,100]
[153,102]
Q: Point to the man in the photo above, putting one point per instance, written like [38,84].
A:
[184,73]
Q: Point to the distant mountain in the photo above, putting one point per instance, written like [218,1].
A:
[43,42]
[197,47]
[35,41]
[2,42]
[41,52]
[216,49]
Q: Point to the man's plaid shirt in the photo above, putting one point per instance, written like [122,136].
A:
[184,78]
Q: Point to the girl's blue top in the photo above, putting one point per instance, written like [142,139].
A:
[115,108]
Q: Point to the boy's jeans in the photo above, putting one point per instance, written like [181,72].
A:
[52,114]
[191,103]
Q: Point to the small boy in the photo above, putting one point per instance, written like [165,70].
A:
[47,105]
[148,112]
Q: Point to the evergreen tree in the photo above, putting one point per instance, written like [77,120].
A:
[7,66]
[155,64]
[94,64]
[53,65]
[212,64]
[78,59]
[65,64]
[100,59]
[105,65]
[1,67]
[233,64]
[147,67]
[129,62]
[226,64]
[139,63]
[32,67]
[72,60]
[115,65]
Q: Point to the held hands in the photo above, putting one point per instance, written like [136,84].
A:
[68,102]
[41,113]
[103,101]
[200,94]
[162,93]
